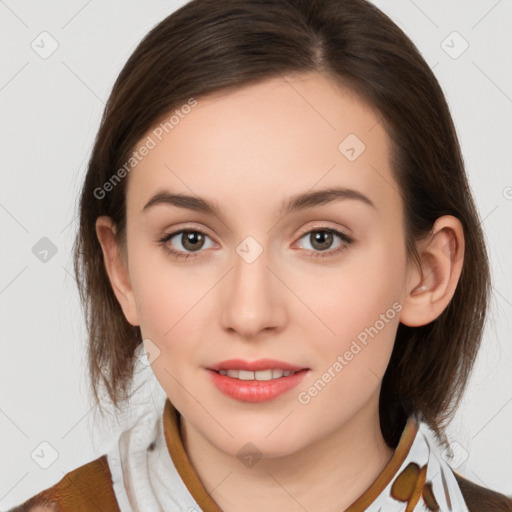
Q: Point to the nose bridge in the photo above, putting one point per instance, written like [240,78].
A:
[251,303]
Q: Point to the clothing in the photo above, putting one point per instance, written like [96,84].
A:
[148,470]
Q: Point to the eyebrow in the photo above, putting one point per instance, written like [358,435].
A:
[295,203]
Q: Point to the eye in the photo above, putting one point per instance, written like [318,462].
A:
[190,239]
[321,238]
[193,240]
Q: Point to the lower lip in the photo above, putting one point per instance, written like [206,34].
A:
[256,390]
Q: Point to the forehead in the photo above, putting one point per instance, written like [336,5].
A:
[267,141]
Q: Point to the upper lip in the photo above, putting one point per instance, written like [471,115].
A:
[259,364]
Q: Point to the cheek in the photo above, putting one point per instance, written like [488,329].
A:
[168,311]
[165,291]
[360,305]
[172,302]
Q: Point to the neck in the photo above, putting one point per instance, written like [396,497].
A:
[329,474]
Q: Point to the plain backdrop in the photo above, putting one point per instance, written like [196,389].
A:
[58,63]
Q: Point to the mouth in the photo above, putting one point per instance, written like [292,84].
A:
[256,381]
[269,374]
[256,366]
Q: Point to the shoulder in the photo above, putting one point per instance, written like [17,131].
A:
[480,498]
[88,487]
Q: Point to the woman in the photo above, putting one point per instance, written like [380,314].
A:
[276,210]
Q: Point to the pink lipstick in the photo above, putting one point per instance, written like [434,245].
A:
[256,381]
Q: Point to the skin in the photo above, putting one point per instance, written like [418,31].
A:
[248,150]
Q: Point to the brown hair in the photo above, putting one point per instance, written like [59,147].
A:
[208,46]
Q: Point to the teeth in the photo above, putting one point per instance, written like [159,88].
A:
[258,375]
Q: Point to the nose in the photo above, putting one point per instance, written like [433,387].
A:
[253,298]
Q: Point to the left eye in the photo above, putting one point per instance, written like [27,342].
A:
[321,240]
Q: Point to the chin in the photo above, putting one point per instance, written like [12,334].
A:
[258,440]
[249,449]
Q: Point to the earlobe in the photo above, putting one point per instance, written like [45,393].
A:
[117,268]
[431,288]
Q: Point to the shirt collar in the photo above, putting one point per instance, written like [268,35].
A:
[402,481]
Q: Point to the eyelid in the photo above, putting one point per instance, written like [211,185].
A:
[189,227]
[319,225]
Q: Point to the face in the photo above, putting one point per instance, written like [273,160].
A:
[318,286]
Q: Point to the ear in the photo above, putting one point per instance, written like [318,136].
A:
[116,265]
[430,288]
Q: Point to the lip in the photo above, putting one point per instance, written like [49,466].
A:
[255,391]
[254,366]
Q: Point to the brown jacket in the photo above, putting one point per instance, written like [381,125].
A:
[89,488]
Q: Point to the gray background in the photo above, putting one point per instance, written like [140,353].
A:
[50,113]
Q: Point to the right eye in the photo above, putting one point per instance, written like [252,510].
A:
[189,239]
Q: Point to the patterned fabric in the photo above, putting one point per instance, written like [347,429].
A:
[424,482]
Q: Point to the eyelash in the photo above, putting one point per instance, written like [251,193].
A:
[313,254]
